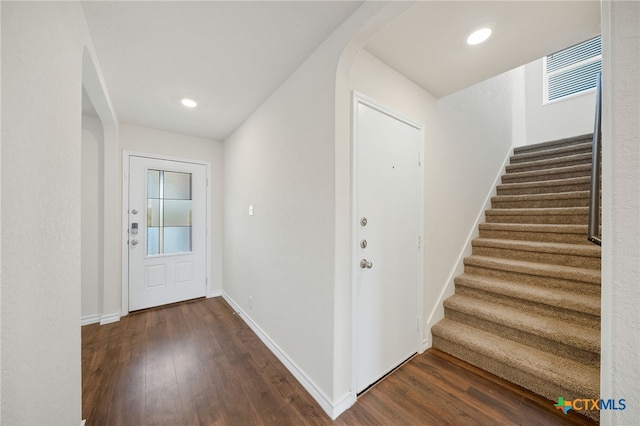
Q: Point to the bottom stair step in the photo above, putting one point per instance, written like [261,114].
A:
[545,374]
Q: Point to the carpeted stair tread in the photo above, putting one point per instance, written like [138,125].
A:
[542,247]
[545,187]
[576,234]
[543,175]
[527,307]
[536,269]
[542,146]
[561,151]
[566,215]
[537,228]
[547,327]
[558,199]
[535,212]
[550,163]
[576,302]
[541,366]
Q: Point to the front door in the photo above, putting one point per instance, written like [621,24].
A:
[167,231]
[388,221]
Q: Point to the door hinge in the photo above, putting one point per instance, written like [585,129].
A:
[419,158]
[419,241]
[418,324]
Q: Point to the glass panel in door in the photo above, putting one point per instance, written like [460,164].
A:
[169,212]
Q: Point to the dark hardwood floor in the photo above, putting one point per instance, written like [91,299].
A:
[198,363]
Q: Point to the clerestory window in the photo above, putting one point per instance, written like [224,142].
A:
[572,71]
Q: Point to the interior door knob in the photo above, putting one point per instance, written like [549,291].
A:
[364,263]
[134,242]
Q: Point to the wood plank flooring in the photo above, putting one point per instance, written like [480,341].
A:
[198,363]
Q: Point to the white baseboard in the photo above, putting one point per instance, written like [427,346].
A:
[343,404]
[102,319]
[215,293]
[332,410]
[109,318]
[89,319]
[426,343]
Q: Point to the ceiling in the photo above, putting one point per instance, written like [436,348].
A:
[428,42]
[229,56]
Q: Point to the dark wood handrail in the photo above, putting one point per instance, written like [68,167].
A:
[594,197]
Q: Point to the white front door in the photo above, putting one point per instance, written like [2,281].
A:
[167,231]
[388,209]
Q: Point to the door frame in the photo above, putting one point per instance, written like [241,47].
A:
[358,98]
[125,220]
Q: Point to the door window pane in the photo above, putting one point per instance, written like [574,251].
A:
[153,241]
[177,239]
[153,183]
[153,212]
[177,186]
[169,207]
[177,212]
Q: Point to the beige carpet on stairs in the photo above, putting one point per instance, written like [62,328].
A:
[527,307]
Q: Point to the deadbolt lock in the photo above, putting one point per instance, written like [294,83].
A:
[363,243]
[363,221]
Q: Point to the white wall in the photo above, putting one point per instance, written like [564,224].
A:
[42,50]
[559,119]
[95,93]
[282,161]
[92,241]
[1,229]
[160,142]
[620,370]
[468,135]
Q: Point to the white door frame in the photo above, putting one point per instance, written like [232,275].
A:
[125,220]
[361,99]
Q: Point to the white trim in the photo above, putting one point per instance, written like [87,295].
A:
[109,318]
[125,220]
[332,410]
[90,319]
[426,343]
[214,293]
[101,319]
[356,99]
[437,313]
[343,404]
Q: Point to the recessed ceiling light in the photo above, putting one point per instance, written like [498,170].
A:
[479,36]
[189,103]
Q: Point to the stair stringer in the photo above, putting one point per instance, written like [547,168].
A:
[437,311]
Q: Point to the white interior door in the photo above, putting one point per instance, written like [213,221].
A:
[167,231]
[388,208]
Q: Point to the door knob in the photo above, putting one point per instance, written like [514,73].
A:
[364,263]
[134,242]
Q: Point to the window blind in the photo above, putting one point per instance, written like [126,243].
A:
[573,70]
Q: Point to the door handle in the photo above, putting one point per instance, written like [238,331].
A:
[364,263]
[134,242]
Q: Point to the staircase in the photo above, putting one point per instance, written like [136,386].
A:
[527,307]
